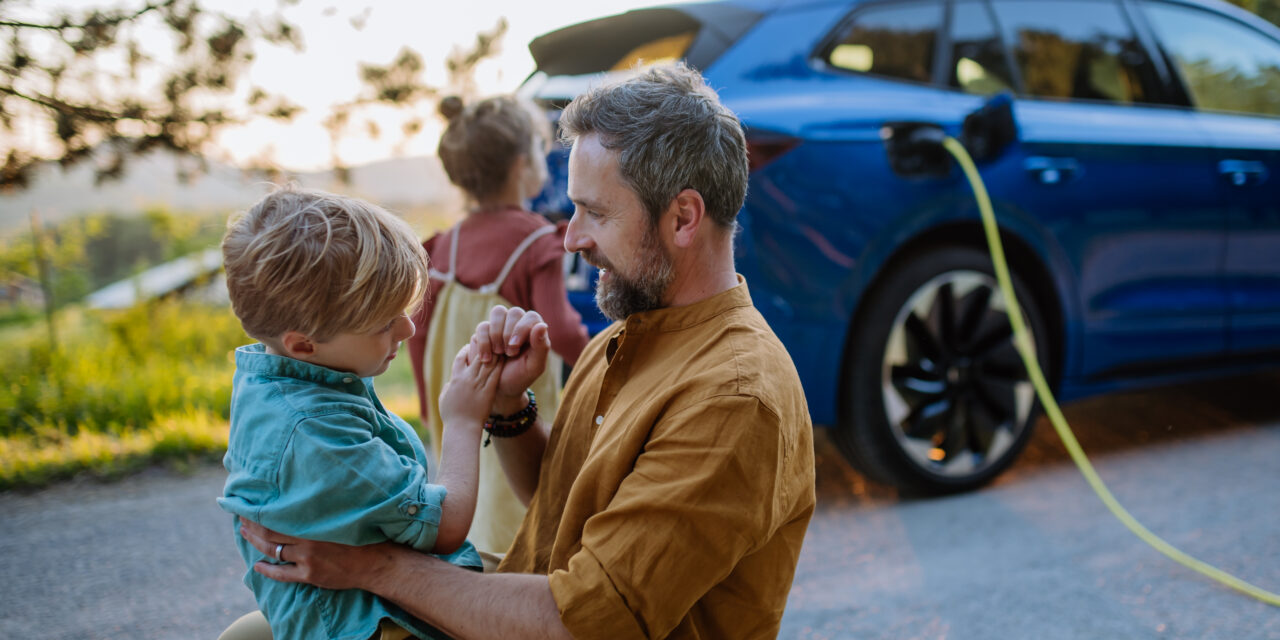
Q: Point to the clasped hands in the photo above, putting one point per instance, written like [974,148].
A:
[522,338]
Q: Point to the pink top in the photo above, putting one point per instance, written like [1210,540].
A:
[535,282]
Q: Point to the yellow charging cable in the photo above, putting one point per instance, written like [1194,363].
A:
[1026,348]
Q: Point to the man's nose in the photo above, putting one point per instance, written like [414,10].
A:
[574,239]
[572,236]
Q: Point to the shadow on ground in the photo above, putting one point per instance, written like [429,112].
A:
[1104,424]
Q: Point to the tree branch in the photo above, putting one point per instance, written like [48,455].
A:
[91,113]
[106,21]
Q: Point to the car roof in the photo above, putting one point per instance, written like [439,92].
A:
[591,46]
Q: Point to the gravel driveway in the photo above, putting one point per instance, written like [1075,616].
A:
[1033,556]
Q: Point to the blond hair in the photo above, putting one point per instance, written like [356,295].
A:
[320,264]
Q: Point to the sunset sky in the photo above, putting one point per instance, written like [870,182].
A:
[326,73]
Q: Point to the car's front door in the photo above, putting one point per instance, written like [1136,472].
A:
[1123,183]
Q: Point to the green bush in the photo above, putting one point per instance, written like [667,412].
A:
[117,371]
[121,388]
[87,253]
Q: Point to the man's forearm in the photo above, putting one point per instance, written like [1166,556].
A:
[467,604]
[521,459]
[521,456]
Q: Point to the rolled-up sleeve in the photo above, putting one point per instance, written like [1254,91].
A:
[703,494]
[339,483]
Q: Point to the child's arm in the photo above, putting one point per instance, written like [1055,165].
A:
[464,406]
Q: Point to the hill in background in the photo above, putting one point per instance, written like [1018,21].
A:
[407,186]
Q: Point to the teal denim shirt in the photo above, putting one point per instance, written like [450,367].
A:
[313,454]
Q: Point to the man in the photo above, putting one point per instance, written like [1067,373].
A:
[671,496]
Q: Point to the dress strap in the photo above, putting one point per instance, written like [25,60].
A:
[453,258]
[493,287]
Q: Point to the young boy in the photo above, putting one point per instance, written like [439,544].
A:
[323,283]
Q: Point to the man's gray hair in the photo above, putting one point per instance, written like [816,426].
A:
[671,133]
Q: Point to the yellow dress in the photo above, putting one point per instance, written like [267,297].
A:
[457,311]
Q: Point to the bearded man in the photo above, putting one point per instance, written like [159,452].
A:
[671,496]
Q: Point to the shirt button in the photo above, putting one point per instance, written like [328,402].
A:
[599,419]
[347,380]
[413,509]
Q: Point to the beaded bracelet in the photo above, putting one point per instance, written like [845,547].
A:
[514,424]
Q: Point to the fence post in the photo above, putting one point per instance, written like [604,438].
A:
[46,286]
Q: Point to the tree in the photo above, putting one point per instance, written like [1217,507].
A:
[89,90]
[1267,9]
[80,86]
[400,85]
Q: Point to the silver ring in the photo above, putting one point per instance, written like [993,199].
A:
[279,548]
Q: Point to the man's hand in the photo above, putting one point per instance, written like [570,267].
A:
[324,564]
[522,337]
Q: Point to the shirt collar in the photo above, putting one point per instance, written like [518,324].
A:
[678,318]
[254,358]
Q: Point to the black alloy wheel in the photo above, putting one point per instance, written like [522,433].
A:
[937,399]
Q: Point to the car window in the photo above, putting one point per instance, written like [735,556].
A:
[977,64]
[661,51]
[1076,49]
[891,40]
[1226,66]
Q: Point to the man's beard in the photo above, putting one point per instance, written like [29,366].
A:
[623,295]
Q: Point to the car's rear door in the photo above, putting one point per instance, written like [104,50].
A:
[1230,66]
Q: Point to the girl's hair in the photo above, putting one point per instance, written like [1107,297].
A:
[483,139]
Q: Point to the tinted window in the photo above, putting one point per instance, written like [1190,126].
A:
[1226,66]
[1082,49]
[978,64]
[896,41]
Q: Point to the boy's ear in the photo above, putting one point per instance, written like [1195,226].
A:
[297,345]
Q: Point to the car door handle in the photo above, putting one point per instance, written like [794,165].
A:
[1051,170]
[1243,172]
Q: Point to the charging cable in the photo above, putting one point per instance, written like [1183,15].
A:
[1026,348]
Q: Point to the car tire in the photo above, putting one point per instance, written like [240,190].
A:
[936,398]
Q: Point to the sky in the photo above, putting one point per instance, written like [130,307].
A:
[326,72]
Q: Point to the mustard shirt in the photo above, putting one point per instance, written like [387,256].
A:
[677,484]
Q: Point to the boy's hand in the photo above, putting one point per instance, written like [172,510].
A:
[469,394]
[521,336]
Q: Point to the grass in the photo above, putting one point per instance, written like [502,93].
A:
[124,390]
[120,390]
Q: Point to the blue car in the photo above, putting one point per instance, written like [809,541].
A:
[1139,203]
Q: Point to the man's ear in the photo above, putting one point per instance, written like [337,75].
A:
[688,213]
[297,345]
